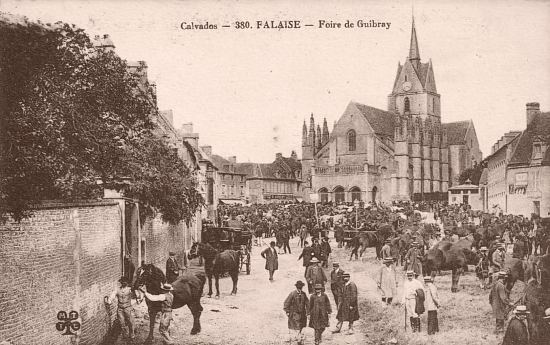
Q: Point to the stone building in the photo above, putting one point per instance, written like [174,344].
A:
[496,185]
[528,171]
[401,153]
[279,181]
[231,182]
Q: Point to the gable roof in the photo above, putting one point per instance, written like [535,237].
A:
[524,149]
[456,132]
[381,121]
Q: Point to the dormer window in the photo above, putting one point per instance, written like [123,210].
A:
[537,150]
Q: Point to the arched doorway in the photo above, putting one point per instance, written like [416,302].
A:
[374,191]
[339,194]
[323,195]
[355,194]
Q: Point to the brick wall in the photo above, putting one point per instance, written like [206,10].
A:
[64,257]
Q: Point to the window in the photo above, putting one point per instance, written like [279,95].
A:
[406,78]
[433,105]
[537,152]
[242,190]
[407,104]
[355,194]
[339,194]
[351,140]
[224,189]
[323,195]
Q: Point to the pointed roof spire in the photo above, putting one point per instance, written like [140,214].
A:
[414,52]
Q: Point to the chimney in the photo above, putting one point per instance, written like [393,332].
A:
[187,127]
[207,150]
[533,110]
[232,159]
[293,155]
[278,155]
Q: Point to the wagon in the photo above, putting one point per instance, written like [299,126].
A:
[225,238]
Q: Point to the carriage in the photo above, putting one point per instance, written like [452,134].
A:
[225,238]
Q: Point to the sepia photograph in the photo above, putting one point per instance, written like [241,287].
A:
[241,172]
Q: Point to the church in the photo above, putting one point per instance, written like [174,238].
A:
[402,153]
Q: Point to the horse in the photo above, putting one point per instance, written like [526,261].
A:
[364,240]
[453,256]
[537,296]
[216,264]
[187,291]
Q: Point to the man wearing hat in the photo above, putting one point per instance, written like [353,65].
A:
[125,311]
[336,282]
[498,298]
[431,303]
[172,268]
[296,309]
[499,255]
[271,259]
[307,254]
[410,291]
[315,274]
[519,329]
[348,308]
[387,280]
[482,267]
[167,298]
[412,259]
[319,311]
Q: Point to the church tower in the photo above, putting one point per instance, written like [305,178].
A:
[414,91]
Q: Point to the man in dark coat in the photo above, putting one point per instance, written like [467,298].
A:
[348,309]
[325,252]
[296,308]
[316,248]
[519,328]
[336,282]
[319,310]
[315,275]
[172,268]
[498,298]
[307,254]
[271,259]
[339,235]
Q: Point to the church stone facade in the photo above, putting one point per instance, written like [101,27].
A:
[402,153]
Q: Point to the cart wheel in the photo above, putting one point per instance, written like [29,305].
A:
[248,264]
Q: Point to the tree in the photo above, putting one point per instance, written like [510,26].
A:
[472,174]
[75,113]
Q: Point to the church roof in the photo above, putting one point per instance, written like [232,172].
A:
[456,132]
[381,121]
[524,149]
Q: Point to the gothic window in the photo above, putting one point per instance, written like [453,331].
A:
[433,105]
[351,140]
[339,194]
[406,78]
[355,194]
[323,195]
[407,104]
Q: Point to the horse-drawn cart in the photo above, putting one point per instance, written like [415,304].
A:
[224,238]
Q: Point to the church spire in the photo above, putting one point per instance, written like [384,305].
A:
[304,134]
[414,52]
[325,136]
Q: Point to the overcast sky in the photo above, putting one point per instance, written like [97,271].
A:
[248,92]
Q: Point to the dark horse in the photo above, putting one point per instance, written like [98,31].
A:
[537,296]
[364,240]
[216,264]
[187,290]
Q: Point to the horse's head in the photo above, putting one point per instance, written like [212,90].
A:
[152,277]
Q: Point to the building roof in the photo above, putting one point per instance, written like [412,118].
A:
[524,148]
[223,164]
[381,121]
[456,131]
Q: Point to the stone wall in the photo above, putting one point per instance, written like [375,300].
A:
[64,257]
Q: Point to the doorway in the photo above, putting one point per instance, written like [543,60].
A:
[465,199]
[374,191]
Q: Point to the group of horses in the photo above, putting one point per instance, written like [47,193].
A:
[188,287]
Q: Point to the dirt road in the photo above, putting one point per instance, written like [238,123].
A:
[255,315]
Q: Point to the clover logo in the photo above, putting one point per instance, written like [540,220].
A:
[67,323]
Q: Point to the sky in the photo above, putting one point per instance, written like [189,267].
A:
[248,91]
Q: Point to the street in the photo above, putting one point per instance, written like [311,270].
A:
[255,315]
